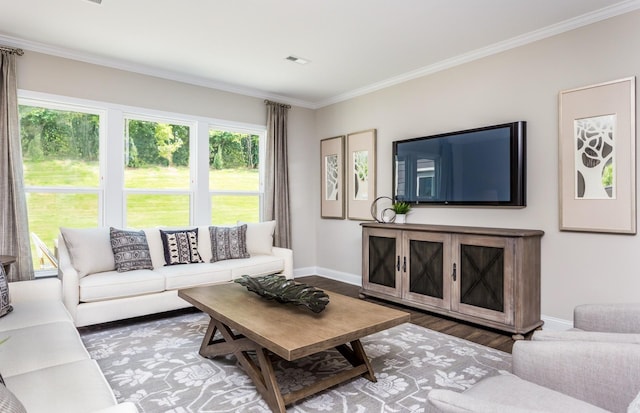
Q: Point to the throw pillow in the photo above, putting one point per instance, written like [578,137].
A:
[89,249]
[9,403]
[260,237]
[5,302]
[180,247]
[130,250]
[228,243]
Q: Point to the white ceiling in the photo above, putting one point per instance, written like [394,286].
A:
[354,46]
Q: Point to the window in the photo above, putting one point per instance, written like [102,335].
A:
[61,159]
[89,164]
[157,177]
[234,175]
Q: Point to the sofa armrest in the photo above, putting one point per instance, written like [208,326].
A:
[69,277]
[287,254]
[35,290]
[126,407]
[611,318]
[579,335]
[603,374]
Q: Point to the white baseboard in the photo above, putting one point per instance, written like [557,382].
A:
[331,274]
[556,324]
[550,323]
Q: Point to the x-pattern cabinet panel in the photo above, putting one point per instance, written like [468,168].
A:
[484,275]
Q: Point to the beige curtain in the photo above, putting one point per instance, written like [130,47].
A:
[14,229]
[276,197]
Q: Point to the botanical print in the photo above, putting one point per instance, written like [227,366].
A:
[594,157]
[361,175]
[155,364]
[331,177]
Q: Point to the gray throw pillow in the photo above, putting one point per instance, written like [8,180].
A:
[130,250]
[180,247]
[5,302]
[228,243]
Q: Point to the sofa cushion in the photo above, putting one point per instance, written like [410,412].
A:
[9,403]
[5,303]
[33,313]
[77,387]
[192,275]
[260,237]
[130,250]
[111,284]
[228,243]
[507,393]
[37,347]
[255,266]
[180,247]
[89,249]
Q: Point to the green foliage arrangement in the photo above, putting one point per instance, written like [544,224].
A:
[278,288]
[401,207]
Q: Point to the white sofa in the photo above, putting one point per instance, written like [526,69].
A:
[94,292]
[43,361]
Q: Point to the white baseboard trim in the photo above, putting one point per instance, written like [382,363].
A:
[550,323]
[331,274]
[556,324]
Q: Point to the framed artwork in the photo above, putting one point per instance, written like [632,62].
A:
[361,174]
[597,158]
[332,185]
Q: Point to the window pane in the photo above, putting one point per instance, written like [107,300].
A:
[228,209]
[50,211]
[156,155]
[144,211]
[59,148]
[233,161]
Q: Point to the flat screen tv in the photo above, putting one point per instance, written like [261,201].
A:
[482,167]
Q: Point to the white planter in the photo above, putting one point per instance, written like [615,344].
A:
[401,218]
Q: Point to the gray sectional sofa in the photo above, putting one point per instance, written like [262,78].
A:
[94,292]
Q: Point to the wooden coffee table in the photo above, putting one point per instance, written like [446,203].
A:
[270,328]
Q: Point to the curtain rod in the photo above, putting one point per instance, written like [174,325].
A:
[13,50]
[269,102]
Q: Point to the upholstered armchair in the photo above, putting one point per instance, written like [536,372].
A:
[593,368]
[600,322]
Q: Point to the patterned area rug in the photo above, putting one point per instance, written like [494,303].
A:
[156,365]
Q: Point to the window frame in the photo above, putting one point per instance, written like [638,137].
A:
[111,190]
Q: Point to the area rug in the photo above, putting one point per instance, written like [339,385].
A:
[156,365]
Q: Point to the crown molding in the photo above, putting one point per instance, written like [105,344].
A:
[147,70]
[549,31]
[565,26]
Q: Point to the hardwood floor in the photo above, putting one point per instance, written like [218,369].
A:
[481,335]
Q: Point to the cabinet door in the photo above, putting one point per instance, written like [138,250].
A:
[381,261]
[483,284]
[425,263]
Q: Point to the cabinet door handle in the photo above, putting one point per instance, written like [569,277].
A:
[398,265]
[454,271]
[404,265]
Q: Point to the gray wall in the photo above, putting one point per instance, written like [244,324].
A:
[520,84]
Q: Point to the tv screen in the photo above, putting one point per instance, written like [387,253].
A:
[483,166]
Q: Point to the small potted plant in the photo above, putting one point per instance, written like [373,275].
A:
[401,209]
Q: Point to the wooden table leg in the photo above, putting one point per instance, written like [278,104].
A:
[262,373]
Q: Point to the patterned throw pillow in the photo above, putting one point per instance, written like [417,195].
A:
[5,303]
[228,243]
[180,247]
[130,250]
